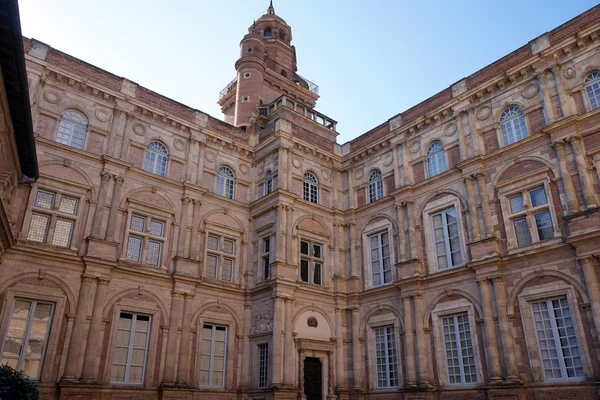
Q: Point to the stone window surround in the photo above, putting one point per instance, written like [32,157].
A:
[256,341]
[542,292]
[582,87]
[318,238]
[525,111]
[431,208]
[524,184]
[256,364]
[380,321]
[371,229]
[62,188]
[264,232]
[211,228]
[450,308]
[49,294]
[262,186]
[139,307]
[224,319]
[143,209]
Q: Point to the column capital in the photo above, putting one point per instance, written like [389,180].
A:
[103,281]
[587,261]
[185,200]
[406,203]
[118,179]
[188,296]
[197,202]
[559,144]
[499,279]
[176,294]
[399,205]
[105,176]
[88,279]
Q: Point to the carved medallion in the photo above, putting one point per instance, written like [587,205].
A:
[51,96]
[210,156]
[244,169]
[450,128]
[139,129]
[388,159]
[569,73]
[414,146]
[358,173]
[312,322]
[296,162]
[261,168]
[102,115]
[325,174]
[483,113]
[530,90]
[179,144]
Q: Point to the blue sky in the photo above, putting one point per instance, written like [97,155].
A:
[371,59]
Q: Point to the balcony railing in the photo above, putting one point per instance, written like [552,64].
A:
[230,86]
[291,75]
[283,101]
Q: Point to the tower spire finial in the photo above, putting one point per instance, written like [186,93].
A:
[271,10]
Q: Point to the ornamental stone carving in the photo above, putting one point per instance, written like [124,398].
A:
[569,73]
[210,156]
[139,129]
[450,128]
[179,144]
[262,323]
[312,322]
[414,146]
[296,162]
[244,169]
[51,96]
[102,115]
[530,90]
[358,173]
[388,159]
[483,113]
[261,168]
[325,174]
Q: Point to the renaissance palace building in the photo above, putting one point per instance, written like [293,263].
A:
[452,252]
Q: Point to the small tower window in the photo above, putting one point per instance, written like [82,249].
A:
[283,73]
[282,35]
[268,32]
[247,75]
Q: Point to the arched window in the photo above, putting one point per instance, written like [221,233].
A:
[311,188]
[72,129]
[375,186]
[436,159]
[157,156]
[269,183]
[268,32]
[512,125]
[283,73]
[282,35]
[592,87]
[226,182]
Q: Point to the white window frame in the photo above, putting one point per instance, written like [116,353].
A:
[221,255]
[444,214]
[146,238]
[226,182]
[375,187]
[312,260]
[266,247]
[68,124]
[131,347]
[269,184]
[310,188]
[263,370]
[542,292]
[155,159]
[592,84]
[431,209]
[53,215]
[211,355]
[27,334]
[389,384]
[436,159]
[380,264]
[441,310]
[510,123]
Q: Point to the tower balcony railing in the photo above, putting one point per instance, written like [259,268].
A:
[291,75]
[283,101]
[230,86]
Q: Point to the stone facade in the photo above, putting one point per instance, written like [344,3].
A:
[451,252]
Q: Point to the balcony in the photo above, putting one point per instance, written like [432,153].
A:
[291,75]
[230,86]
[321,119]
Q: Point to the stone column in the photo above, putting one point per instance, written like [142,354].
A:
[506,334]
[476,228]
[409,178]
[565,100]
[185,201]
[462,144]
[288,234]
[245,377]
[276,358]
[200,163]
[95,335]
[421,341]
[485,206]
[354,262]
[188,162]
[593,288]
[462,126]
[288,343]
[185,345]
[87,292]
[280,235]
[357,361]
[489,326]
[475,138]
[413,233]
[336,249]
[400,212]
[125,144]
[396,155]
[193,244]
[170,368]
[572,204]
[282,172]
[589,194]
[548,106]
[339,349]
[111,228]
[112,140]
[99,215]
[409,340]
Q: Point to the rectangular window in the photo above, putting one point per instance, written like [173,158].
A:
[27,336]
[213,356]
[311,262]
[263,365]
[266,269]
[146,240]
[556,338]
[53,219]
[131,349]
[385,356]
[460,357]
[220,258]
[530,215]
[447,240]
[381,265]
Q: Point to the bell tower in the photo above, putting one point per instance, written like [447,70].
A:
[265,71]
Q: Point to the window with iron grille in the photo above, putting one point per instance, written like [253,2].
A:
[72,129]
[557,342]
[459,350]
[263,365]
[145,240]
[53,218]
[592,88]
[27,335]
[226,182]
[446,239]
[311,262]
[266,251]
[375,186]
[311,188]
[436,159]
[529,214]
[512,125]
[157,158]
[220,257]
[385,357]
[131,349]
[213,356]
